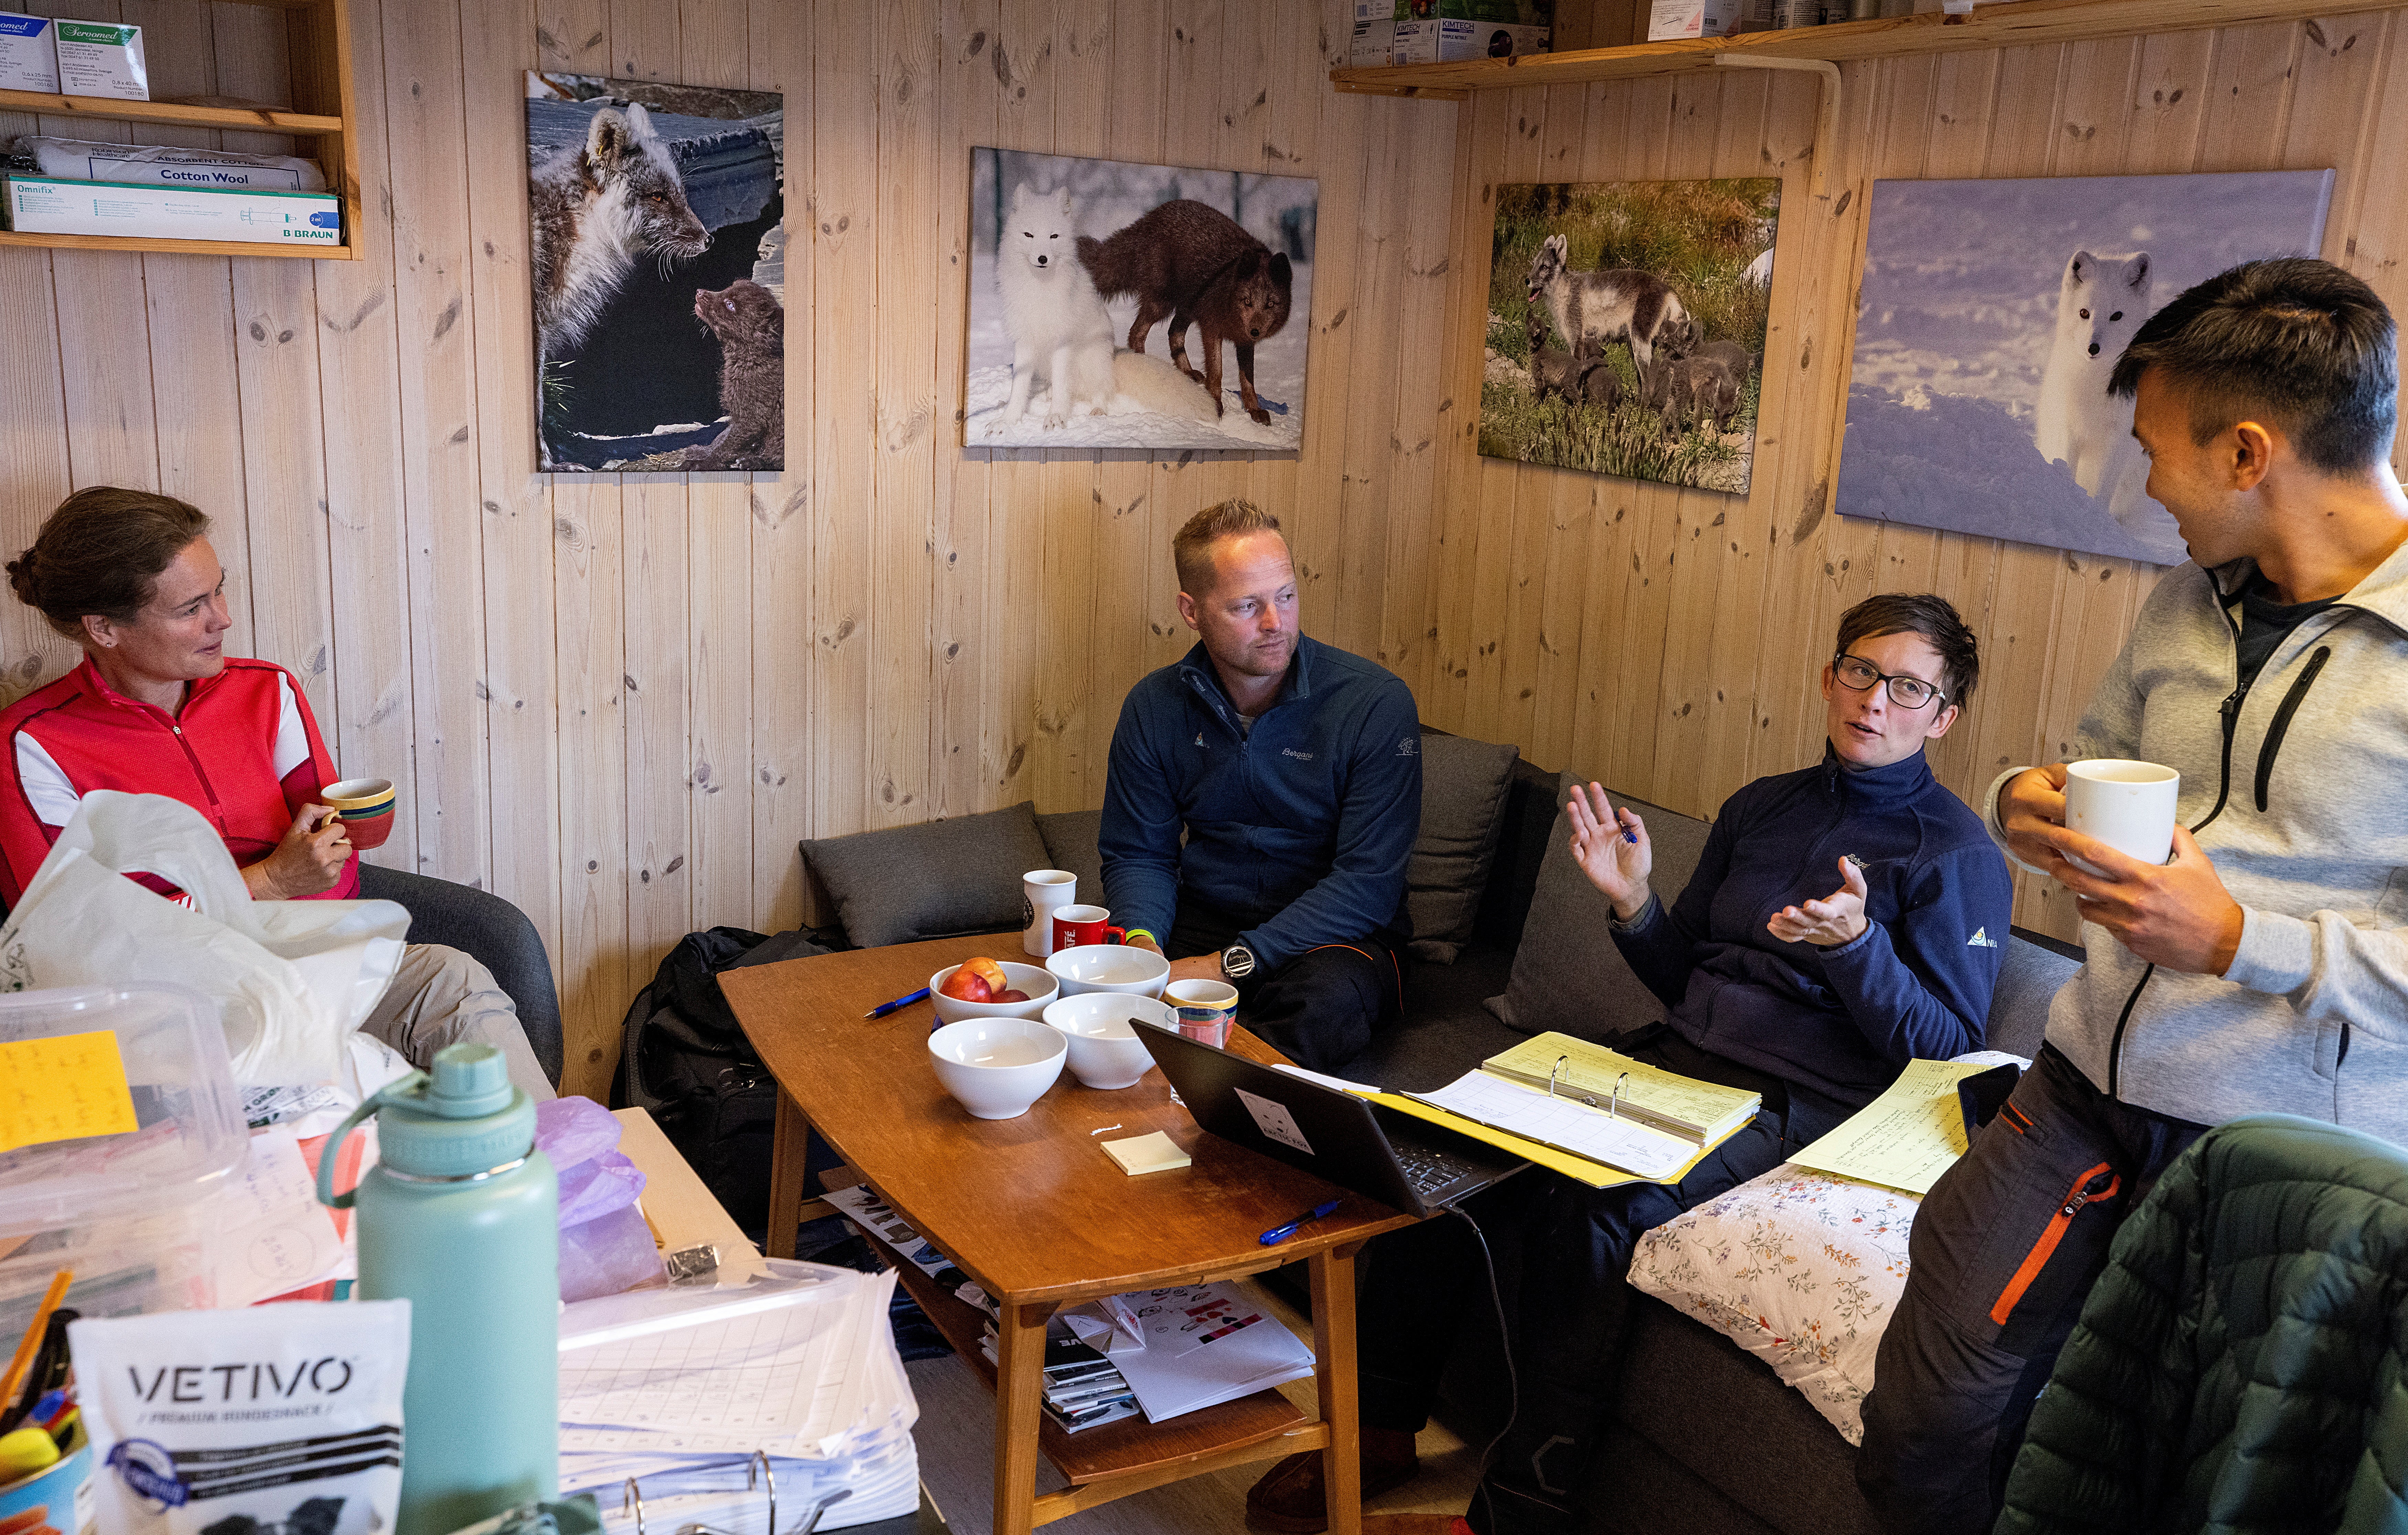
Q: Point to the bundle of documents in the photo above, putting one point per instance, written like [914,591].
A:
[1083,1389]
[1190,1347]
[679,1388]
[1584,1110]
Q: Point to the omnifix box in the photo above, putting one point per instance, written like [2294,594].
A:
[29,58]
[46,205]
[102,59]
[1448,31]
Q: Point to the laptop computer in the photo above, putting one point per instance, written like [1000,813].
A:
[1370,1148]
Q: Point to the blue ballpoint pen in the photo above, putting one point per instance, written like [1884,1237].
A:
[883,1009]
[1278,1234]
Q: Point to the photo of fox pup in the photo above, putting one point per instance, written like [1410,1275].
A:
[1195,265]
[750,326]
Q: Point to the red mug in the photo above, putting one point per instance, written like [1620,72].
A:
[1074,926]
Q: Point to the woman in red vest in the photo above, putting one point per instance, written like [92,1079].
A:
[157,707]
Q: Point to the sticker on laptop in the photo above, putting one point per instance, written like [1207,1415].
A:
[1274,1121]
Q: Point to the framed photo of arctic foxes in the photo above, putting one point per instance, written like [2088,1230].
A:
[1116,304]
[1992,315]
[657,252]
[1625,327]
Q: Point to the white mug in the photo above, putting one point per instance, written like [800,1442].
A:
[1041,890]
[2129,805]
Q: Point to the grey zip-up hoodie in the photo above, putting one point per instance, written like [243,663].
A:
[2297,791]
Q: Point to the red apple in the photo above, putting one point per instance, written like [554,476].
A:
[1015,994]
[988,971]
[966,985]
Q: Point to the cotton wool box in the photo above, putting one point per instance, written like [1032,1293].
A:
[29,59]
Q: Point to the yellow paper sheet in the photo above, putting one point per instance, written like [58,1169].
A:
[1904,1139]
[63,1088]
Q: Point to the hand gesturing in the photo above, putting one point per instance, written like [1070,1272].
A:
[1612,848]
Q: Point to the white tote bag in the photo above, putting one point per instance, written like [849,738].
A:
[292,978]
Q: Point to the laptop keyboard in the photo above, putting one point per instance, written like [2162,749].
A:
[1430,1170]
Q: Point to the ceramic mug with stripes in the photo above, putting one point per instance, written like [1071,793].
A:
[365,806]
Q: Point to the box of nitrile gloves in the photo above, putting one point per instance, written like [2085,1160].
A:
[46,205]
[1450,30]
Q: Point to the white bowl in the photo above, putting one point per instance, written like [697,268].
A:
[1032,979]
[1105,1051]
[1110,967]
[996,1067]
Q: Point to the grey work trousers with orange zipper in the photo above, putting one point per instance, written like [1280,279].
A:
[2004,1252]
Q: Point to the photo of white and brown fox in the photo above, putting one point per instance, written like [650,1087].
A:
[1119,305]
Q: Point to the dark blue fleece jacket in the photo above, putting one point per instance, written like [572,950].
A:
[1843,1021]
[1302,829]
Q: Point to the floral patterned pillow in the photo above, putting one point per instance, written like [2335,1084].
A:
[1799,1268]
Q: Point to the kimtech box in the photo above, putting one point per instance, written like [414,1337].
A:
[1448,31]
[29,59]
[46,205]
[102,59]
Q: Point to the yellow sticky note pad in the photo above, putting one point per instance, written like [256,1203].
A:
[1155,1152]
[63,1089]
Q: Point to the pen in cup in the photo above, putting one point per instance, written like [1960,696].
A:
[1278,1234]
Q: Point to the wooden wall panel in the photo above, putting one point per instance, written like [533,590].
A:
[1686,681]
[621,703]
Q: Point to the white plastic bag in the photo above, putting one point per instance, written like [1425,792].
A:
[292,978]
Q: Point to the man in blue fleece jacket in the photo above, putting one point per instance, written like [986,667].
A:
[1817,1002]
[1294,769]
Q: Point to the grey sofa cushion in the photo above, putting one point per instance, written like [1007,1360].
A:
[1567,976]
[1463,806]
[2029,975]
[905,883]
[1070,839]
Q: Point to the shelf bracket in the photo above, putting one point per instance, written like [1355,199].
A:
[1827,118]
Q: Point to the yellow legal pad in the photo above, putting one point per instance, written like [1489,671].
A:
[63,1088]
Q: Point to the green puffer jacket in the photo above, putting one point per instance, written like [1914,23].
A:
[2239,1366]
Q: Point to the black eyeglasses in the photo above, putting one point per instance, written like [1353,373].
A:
[1904,691]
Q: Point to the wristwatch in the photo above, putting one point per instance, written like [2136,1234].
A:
[1237,962]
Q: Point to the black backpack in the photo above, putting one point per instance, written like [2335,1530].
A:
[686,1061]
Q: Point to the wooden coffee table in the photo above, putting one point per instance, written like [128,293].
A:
[1034,1211]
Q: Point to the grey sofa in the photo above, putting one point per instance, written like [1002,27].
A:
[490,930]
[1704,1436]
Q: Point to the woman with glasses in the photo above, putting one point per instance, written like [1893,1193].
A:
[1844,919]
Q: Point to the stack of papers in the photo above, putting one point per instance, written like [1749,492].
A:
[679,1388]
[1191,1347]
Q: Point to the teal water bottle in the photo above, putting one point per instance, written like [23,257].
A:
[461,1216]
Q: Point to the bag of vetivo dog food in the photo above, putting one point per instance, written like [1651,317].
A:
[271,1420]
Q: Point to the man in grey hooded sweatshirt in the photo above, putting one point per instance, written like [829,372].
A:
[2263,967]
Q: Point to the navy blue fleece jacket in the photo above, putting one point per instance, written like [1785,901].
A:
[1842,1021]
[1301,829]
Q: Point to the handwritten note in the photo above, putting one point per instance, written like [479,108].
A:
[1904,1139]
[63,1088]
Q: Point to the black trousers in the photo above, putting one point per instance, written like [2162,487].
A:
[1422,1284]
[1320,1008]
[2000,1271]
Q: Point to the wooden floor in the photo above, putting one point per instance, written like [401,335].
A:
[956,1439]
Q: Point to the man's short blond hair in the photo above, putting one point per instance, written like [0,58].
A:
[1191,547]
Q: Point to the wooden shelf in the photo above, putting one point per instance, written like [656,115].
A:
[2016,26]
[317,42]
[111,110]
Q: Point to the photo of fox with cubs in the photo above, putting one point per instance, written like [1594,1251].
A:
[656,253]
[1130,305]
[1625,327]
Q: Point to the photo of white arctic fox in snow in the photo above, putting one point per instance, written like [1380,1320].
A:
[1205,275]
[1992,315]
